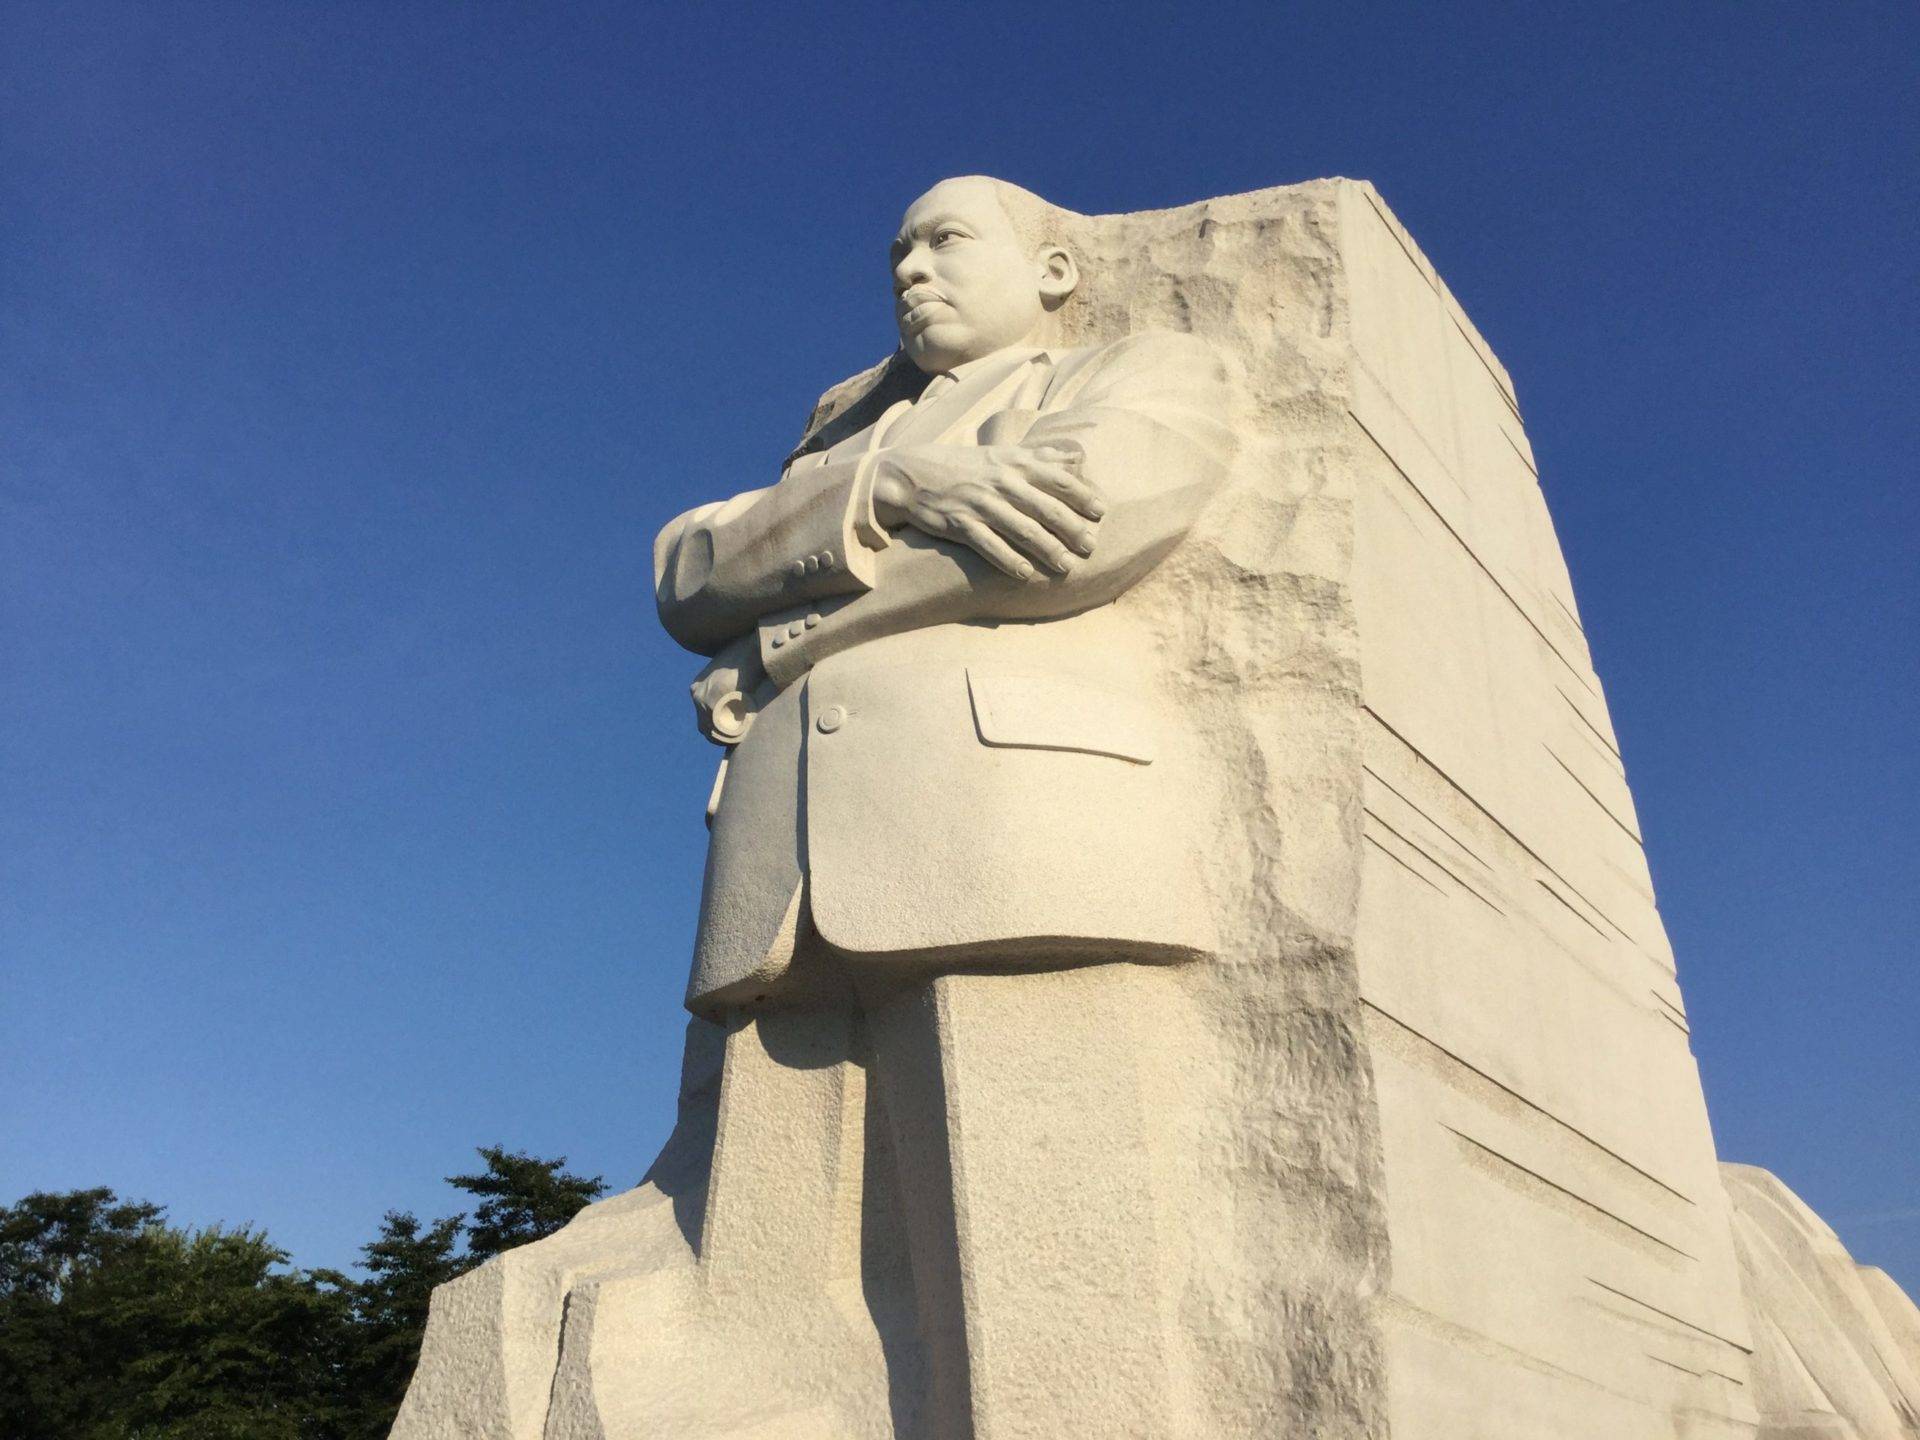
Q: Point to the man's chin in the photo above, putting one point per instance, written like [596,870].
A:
[938,348]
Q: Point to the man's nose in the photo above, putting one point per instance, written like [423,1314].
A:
[912,269]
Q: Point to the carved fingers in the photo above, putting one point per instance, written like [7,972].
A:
[970,528]
[1054,469]
[1027,512]
[1056,495]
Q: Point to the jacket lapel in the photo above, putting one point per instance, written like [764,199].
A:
[956,415]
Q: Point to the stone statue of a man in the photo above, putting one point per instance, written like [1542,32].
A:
[919,1185]
[914,621]
[952,806]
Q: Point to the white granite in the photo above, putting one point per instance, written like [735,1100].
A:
[1177,957]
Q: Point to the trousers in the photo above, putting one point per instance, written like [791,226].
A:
[973,1159]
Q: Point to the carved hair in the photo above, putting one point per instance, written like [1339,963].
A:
[1037,222]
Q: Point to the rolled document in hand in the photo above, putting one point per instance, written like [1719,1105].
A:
[730,717]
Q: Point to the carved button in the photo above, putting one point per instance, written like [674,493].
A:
[793,630]
[831,719]
[778,641]
[798,569]
[811,621]
[813,563]
[826,558]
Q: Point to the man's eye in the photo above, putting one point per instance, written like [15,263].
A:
[941,237]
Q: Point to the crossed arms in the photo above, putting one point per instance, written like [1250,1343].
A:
[1103,484]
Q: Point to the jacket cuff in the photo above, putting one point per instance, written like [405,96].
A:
[845,532]
[783,643]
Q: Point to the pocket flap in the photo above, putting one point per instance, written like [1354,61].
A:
[1038,712]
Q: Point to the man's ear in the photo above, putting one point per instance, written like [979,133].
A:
[1059,276]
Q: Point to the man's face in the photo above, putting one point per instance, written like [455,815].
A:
[963,284]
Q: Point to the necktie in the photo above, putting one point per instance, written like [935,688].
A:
[897,417]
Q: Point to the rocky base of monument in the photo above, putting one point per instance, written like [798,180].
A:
[581,1335]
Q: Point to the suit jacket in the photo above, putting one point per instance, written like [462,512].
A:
[959,767]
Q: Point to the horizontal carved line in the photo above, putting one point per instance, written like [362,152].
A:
[1572,619]
[1402,864]
[1594,730]
[1426,815]
[1437,863]
[1459,539]
[1573,1195]
[1668,1314]
[1432,280]
[1605,809]
[1499,388]
[1574,911]
[1677,1024]
[1532,469]
[1507,831]
[1675,1365]
[1535,1106]
[1398,1310]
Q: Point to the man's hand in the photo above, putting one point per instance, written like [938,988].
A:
[1017,507]
[730,690]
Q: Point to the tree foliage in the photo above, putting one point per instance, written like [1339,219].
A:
[521,1199]
[390,1308]
[116,1325]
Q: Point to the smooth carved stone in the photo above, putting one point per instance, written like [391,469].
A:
[1836,1345]
[1177,958]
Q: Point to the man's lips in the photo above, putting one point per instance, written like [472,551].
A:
[916,306]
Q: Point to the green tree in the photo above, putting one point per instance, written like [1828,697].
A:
[117,1326]
[389,1306]
[521,1199]
[47,1241]
[47,1237]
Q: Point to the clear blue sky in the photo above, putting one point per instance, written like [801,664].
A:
[351,354]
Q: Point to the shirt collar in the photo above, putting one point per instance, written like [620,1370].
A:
[1011,356]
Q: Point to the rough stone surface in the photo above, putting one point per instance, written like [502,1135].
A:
[1428,1154]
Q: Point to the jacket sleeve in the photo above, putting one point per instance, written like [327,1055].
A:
[719,568]
[1150,413]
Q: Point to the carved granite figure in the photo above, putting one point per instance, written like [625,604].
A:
[922,797]
[1177,957]
[970,791]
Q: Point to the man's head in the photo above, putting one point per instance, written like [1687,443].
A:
[976,268]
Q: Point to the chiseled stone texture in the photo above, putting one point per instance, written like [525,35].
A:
[1443,1166]
[1279,1238]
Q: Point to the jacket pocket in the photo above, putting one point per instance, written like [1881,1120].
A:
[1039,712]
